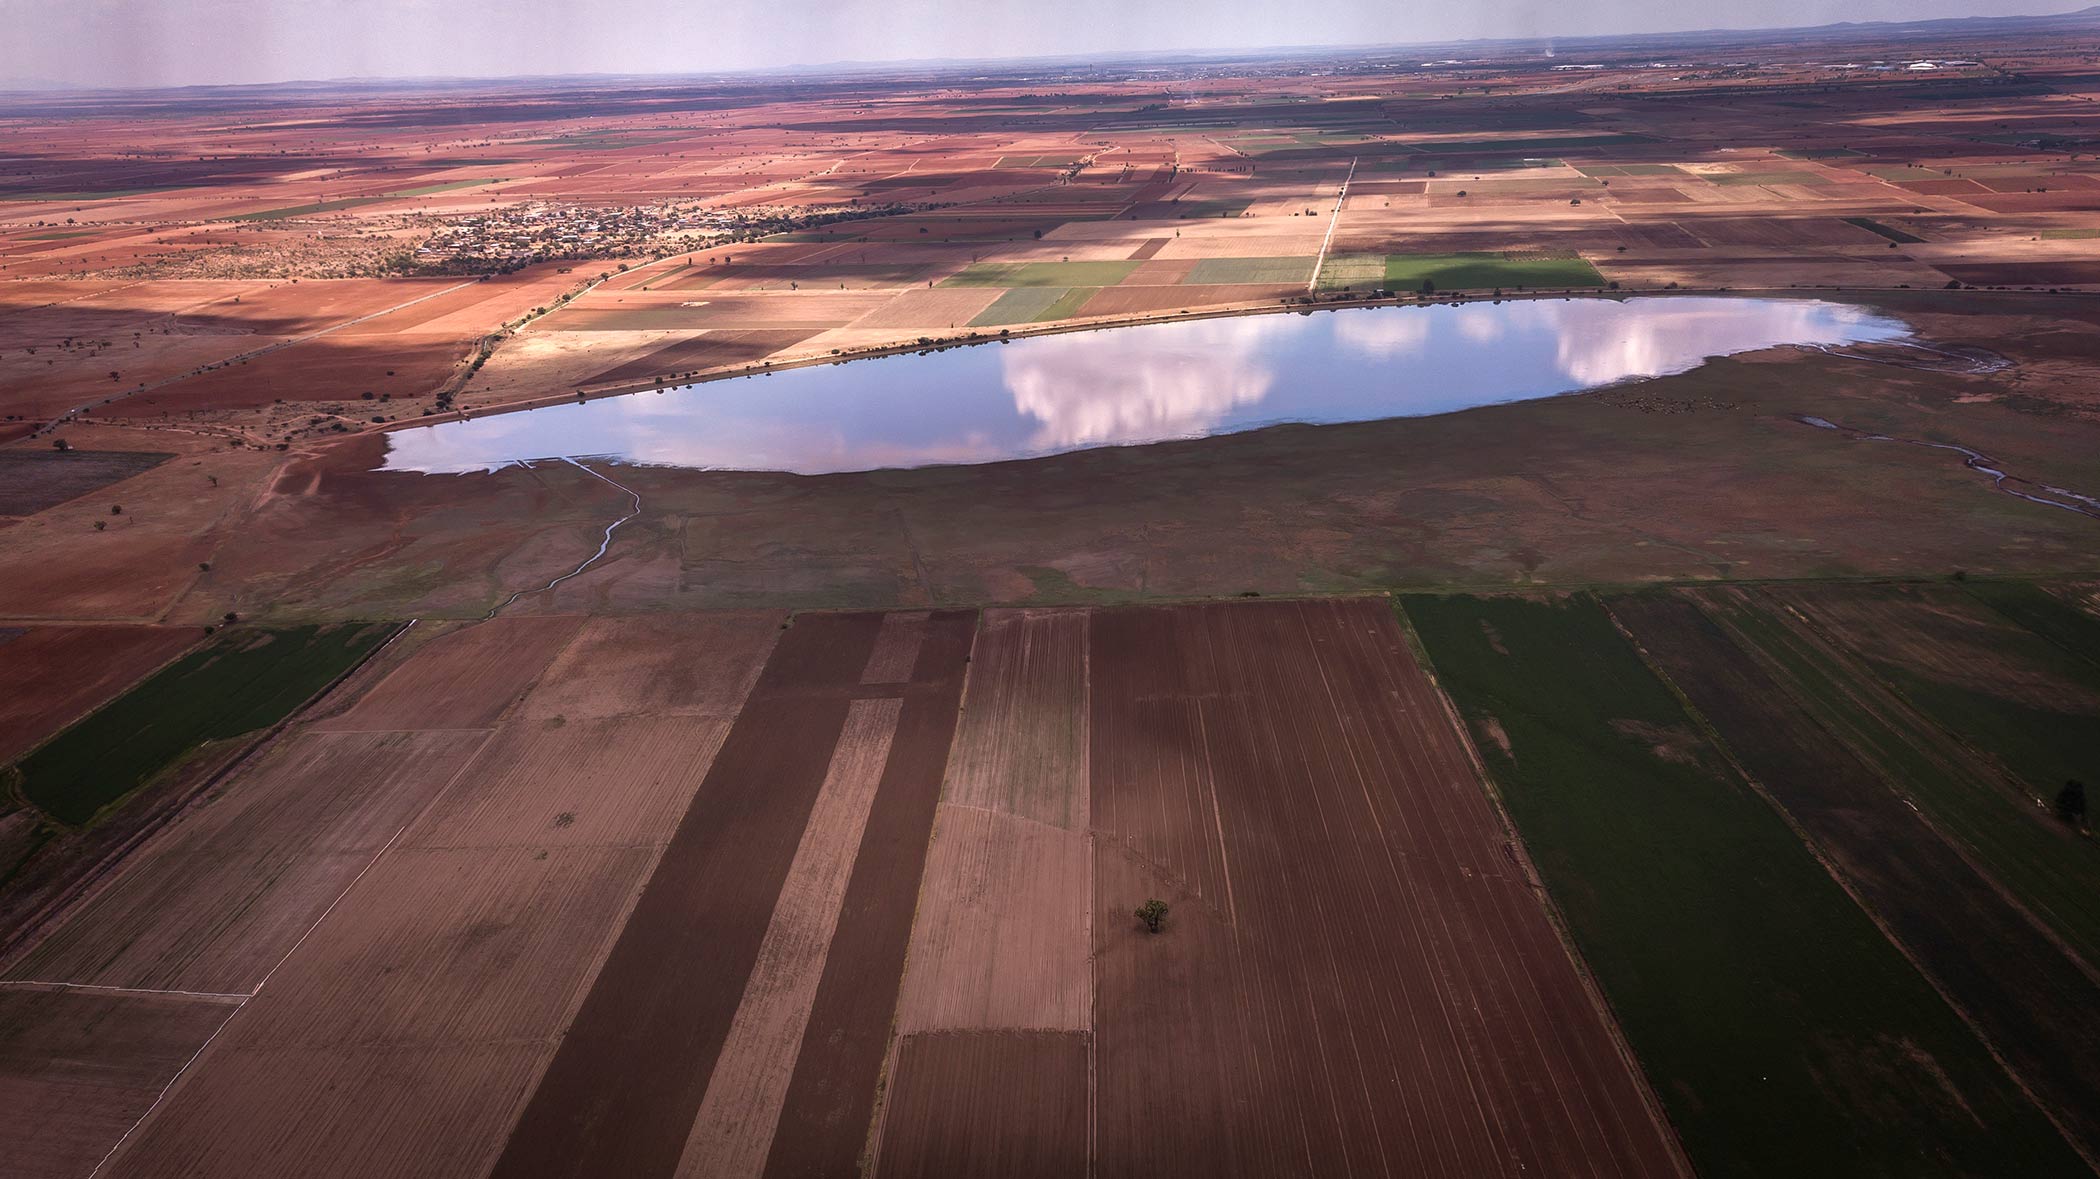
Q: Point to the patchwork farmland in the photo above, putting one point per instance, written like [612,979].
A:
[869,873]
[1676,778]
[757,893]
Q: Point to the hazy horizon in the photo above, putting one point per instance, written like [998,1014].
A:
[135,43]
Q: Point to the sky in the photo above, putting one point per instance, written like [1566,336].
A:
[190,42]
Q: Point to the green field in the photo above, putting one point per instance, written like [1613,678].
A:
[1544,143]
[1218,271]
[448,186]
[1783,1034]
[1041,274]
[2048,869]
[1034,305]
[1353,272]
[2069,234]
[1741,178]
[1890,232]
[2044,613]
[1481,271]
[2040,746]
[246,681]
[308,209]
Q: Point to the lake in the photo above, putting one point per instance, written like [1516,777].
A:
[1149,383]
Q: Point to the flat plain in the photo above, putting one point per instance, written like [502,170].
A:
[1656,781]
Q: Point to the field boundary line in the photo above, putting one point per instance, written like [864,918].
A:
[31,984]
[16,943]
[377,856]
[1312,284]
[1592,988]
[1712,733]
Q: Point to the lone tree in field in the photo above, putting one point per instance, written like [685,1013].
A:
[1153,913]
[2070,802]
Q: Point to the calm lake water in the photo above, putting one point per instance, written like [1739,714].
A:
[1132,385]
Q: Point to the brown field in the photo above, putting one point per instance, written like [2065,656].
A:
[1017,1093]
[465,946]
[56,674]
[709,832]
[463,680]
[215,903]
[1002,937]
[1317,773]
[79,1069]
[1021,747]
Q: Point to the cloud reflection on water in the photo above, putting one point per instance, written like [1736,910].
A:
[1142,384]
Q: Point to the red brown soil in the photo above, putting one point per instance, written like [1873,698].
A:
[1020,1096]
[1357,975]
[331,368]
[738,1118]
[1021,747]
[824,1123]
[223,895]
[464,680]
[1001,940]
[405,1034]
[621,1093]
[56,674]
[2030,999]
[79,561]
[77,1069]
[658,665]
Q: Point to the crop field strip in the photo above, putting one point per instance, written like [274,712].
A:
[244,682]
[66,1094]
[2029,701]
[824,1121]
[1780,1028]
[224,894]
[1996,820]
[1286,776]
[55,674]
[997,989]
[1020,1095]
[678,972]
[466,947]
[2031,1001]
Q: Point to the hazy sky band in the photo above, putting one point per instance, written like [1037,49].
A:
[185,42]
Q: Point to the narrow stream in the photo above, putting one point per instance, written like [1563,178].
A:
[603,545]
[2084,505]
